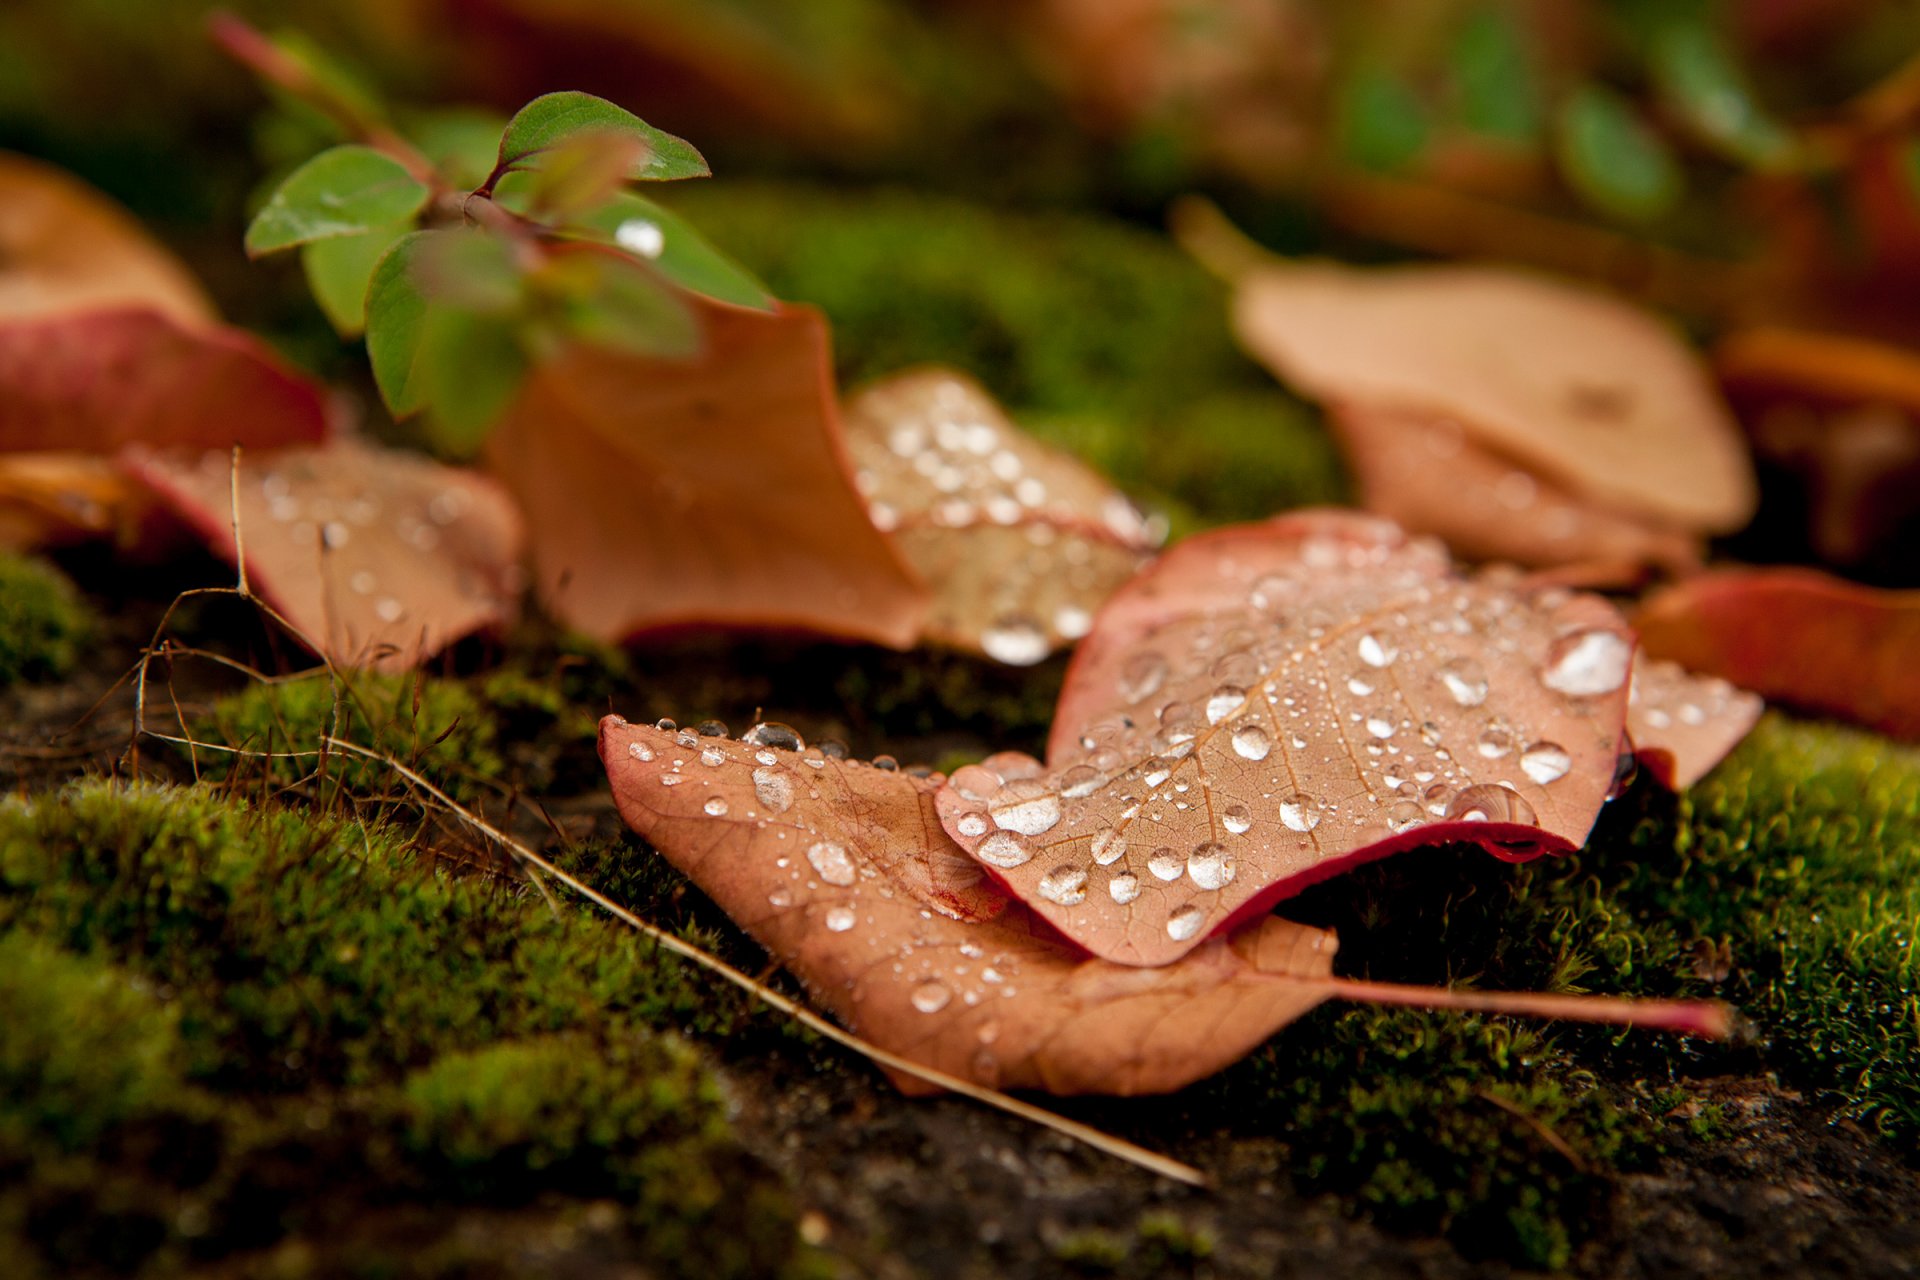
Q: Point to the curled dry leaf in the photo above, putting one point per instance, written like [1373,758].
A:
[1799,637]
[842,871]
[105,340]
[1681,724]
[1595,395]
[382,558]
[1020,543]
[1269,704]
[1422,471]
[715,490]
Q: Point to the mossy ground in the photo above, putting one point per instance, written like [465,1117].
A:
[44,621]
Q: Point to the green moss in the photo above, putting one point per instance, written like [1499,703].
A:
[1097,335]
[435,727]
[43,624]
[328,1039]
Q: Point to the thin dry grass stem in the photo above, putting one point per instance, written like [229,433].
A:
[1707,1018]
[1536,1125]
[233,503]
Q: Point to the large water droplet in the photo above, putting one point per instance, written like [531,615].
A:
[1376,652]
[930,997]
[1490,802]
[771,733]
[640,751]
[1080,782]
[840,919]
[1185,922]
[715,808]
[1109,847]
[1495,740]
[1300,811]
[972,824]
[1028,814]
[1545,762]
[1066,886]
[1465,681]
[1142,675]
[713,757]
[1165,864]
[1016,640]
[1124,888]
[1250,741]
[1211,866]
[1236,818]
[773,789]
[1004,849]
[831,862]
[1402,814]
[1360,683]
[1585,664]
[1380,724]
[1224,701]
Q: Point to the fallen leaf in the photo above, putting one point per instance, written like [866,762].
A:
[1019,542]
[1799,637]
[1269,704]
[54,499]
[712,491]
[843,872]
[380,557]
[1594,395]
[1681,724]
[106,340]
[1422,471]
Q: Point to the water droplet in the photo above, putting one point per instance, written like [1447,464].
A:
[715,808]
[771,733]
[1224,701]
[1490,802]
[1186,922]
[1300,811]
[1211,866]
[1142,675]
[780,898]
[1109,847]
[1165,864]
[1271,593]
[1465,682]
[886,764]
[773,789]
[1380,724]
[1080,782]
[1124,888]
[641,236]
[1016,640]
[1360,684]
[831,863]
[1158,771]
[1585,664]
[1004,849]
[1250,741]
[1030,816]
[1376,652]
[1236,818]
[640,751]
[1495,741]
[931,997]
[972,825]
[1071,621]
[1065,886]
[1402,814]
[711,728]
[388,609]
[712,757]
[1545,762]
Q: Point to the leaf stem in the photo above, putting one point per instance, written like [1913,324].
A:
[1708,1018]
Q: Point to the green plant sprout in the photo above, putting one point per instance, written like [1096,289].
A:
[461,287]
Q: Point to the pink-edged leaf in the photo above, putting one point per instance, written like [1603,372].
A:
[94,381]
[1019,542]
[1269,704]
[842,871]
[713,491]
[1681,724]
[381,558]
[1424,472]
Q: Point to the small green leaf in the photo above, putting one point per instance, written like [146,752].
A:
[1494,84]
[462,143]
[339,270]
[582,174]
[652,234]
[468,368]
[341,192]
[396,316]
[333,85]
[1613,159]
[1381,122]
[553,118]
[631,309]
[1697,73]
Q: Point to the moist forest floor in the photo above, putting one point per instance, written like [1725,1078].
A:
[364,1104]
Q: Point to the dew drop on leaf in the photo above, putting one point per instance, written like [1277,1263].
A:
[1124,888]
[1464,680]
[1004,849]
[931,997]
[1236,818]
[1545,762]
[1300,811]
[773,789]
[839,919]
[1109,847]
[1016,640]
[831,862]
[1065,886]
[1585,664]
[1250,741]
[1165,864]
[1211,866]
[1185,922]
[1376,652]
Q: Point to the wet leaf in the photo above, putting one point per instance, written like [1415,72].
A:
[658,235]
[53,499]
[582,173]
[1613,158]
[1421,470]
[339,271]
[841,871]
[344,191]
[382,558]
[1586,391]
[1020,543]
[1682,725]
[1267,705]
[1798,637]
[543,125]
[709,491]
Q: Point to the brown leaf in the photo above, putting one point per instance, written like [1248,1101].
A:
[1019,542]
[1269,704]
[105,339]
[380,557]
[714,491]
[1682,725]
[842,871]
[1587,391]
[1422,471]
[1799,637]
[53,499]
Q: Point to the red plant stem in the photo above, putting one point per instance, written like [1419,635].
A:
[1707,1018]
